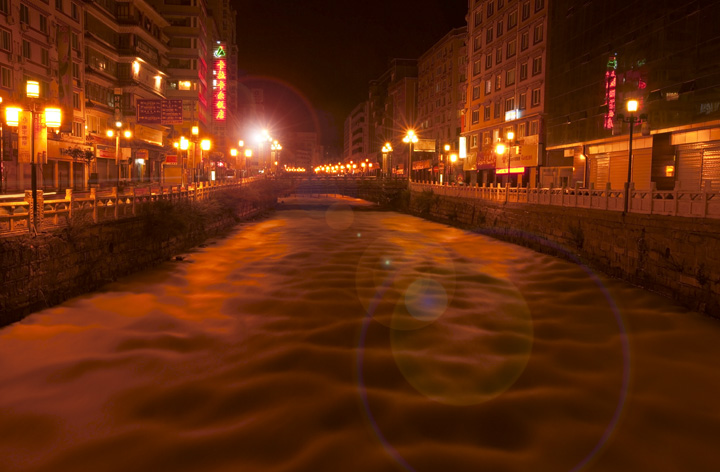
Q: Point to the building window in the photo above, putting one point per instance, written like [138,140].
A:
[74,11]
[498,55]
[489,35]
[538,34]
[498,81]
[26,52]
[74,41]
[510,77]
[5,43]
[59,5]
[475,117]
[501,3]
[490,9]
[44,57]
[477,43]
[43,24]
[537,65]
[486,138]
[76,70]
[522,102]
[24,14]
[526,10]
[523,71]
[535,98]
[488,61]
[534,128]
[488,87]
[476,67]
[511,46]
[539,5]
[77,129]
[512,20]
[6,77]
[524,41]
[76,100]
[473,141]
[499,28]
[476,92]
[5,6]
[496,110]
[510,104]
[478,17]
[486,115]
[522,130]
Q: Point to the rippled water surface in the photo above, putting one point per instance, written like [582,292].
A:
[335,338]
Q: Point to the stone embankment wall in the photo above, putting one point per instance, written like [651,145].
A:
[45,270]
[675,256]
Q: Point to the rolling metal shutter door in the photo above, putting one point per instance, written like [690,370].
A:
[599,170]
[642,168]
[618,169]
[689,163]
[711,167]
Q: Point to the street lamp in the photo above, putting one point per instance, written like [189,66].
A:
[204,146]
[632,107]
[447,150]
[500,149]
[116,134]
[52,119]
[410,138]
[275,146]
[387,149]
[453,159]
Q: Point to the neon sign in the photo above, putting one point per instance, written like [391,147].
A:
[610,92]
[220,84]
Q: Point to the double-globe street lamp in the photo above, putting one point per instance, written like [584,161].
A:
[127,134]
[17,117]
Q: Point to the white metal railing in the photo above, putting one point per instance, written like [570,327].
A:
[100,205]
[698,204]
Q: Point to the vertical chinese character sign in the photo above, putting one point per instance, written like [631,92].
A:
[220,83]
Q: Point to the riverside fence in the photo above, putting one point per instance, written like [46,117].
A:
[53,210]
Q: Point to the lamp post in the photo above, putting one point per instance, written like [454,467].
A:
[453,159]
[205,145]
[127,134]
[276,147]
[386,150]
[52,118]
[410,138]
[632,107]
[447,150]
[500,149]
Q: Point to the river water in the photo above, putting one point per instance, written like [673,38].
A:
[332,337]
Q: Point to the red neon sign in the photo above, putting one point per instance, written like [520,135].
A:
[220,94]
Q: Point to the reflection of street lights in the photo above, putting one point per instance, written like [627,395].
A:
[632,107]
[52,118]
[410,138]
[386,150]
[500,149]
[195,131]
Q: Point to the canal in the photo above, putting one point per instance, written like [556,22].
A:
[331,336]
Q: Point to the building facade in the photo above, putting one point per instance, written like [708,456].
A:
[507,62]
[441,71]
[662,54]
[357,134]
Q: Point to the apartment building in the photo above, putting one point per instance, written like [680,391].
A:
[507,64]
[662,54]
[357,135]
[440,101]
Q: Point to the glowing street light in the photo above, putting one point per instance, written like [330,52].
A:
[410,138]
[632,107]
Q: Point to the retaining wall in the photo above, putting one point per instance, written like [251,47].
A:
[42,271]
[675,256]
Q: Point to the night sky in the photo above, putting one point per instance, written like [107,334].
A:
[321,54]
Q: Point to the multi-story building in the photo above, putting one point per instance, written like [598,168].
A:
[42,42]
[662,54]
[392,101]
[506,87]
[441,70]
[357,135]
